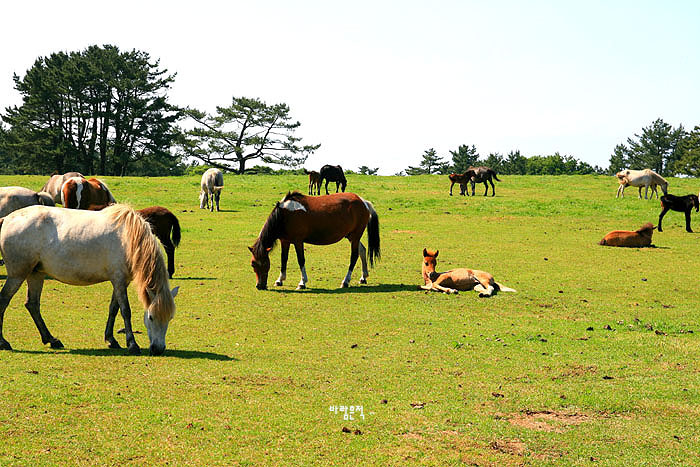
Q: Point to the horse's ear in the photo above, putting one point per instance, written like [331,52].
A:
[251,249]
[269,249]
[436,253]
[425,252]
[175,291]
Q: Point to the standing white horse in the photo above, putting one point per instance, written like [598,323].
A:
[84,248]
[211,186]
[13,198]
[53,186]
[640,178]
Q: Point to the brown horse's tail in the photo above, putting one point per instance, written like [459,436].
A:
[176,236]
[373,234]
[494,175]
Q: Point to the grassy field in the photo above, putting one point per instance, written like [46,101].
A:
[593,360]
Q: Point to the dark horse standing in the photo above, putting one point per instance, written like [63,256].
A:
[333,173]
[314,182]
[162,222]
[482,175]
[681,204]
[323,220]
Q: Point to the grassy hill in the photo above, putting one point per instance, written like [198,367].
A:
[593,359]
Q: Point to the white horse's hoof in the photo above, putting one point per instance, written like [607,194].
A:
[301,287]
[363,281]
[278,283]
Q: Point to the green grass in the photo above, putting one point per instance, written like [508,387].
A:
[248,375]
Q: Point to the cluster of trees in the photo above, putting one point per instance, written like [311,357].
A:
[102,110]
[512,164]
[662,148]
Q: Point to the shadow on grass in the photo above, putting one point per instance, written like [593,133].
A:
[185,354]
[193,278]
[380,288]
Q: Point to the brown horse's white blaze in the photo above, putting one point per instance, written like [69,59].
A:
[79,193]
[53,186]
[323,220]
[80,247]
[458,279]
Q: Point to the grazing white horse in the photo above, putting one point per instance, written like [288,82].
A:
[83,248]
[640,178]
[13,198]
[53,186]
[211,186]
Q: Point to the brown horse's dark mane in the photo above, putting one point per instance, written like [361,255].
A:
[273,228]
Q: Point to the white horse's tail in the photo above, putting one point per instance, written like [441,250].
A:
[503,288]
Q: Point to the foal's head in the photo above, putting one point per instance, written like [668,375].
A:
[429,264]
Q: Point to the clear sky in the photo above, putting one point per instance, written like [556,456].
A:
[379,82]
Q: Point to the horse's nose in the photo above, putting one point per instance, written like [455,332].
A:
[157,349]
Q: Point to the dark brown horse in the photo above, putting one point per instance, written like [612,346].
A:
[314,182]
[162,223]
[79,193]
[681,204]
[333,173]
[462,179]
[482,175]
[323,220]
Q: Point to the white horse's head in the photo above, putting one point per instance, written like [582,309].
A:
[157,323]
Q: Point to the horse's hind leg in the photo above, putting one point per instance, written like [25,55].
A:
[299,248]
[363,258]
[661,216]
[493,188]
[35,283]
[170,253]
[109,329]
[123,300]
[354,253]
[12,285]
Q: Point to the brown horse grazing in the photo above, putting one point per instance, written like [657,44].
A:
[482,175]
[462,179]
[162,222]
[79,193]
[637,239]
[458,279]
[323,220]
[333,173]
[314,182]
[681,204]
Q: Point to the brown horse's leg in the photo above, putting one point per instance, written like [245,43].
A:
[283,266]
[453,184]
[12,285]
[493,188]
[109,329]
[473,183]
[485,286]
[363,258]
[299,248]
[354,253]
[35,283]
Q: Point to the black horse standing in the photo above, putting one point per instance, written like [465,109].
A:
[333,173]
[482,175]
[681,204]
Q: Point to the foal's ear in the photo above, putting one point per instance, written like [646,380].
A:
[437,252]
[175,291]
[251,249]
[425,252]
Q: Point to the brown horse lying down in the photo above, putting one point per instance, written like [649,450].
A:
[637,239]
[458,279]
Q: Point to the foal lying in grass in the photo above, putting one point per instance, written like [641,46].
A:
[458,279]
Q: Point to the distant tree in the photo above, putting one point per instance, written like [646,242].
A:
[495,161]
[246,130]
[99,109]
[689,162]
[618,159]
[463,158]
[431,163]
[364,170]
[658,147]
[515,163]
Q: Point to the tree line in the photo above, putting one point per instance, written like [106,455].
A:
[107,111]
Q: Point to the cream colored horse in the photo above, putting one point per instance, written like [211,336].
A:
[83,248]
[458,279]
[211,186]
[13,198]
[640,178]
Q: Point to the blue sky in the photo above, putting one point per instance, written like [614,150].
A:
[378,83]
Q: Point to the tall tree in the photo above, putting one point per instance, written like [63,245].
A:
[431,163]
[97,109]
[657,147]
[515,163]
[618,159]
[248,129]
[689,161]
[464,157]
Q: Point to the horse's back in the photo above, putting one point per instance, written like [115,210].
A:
[211,178]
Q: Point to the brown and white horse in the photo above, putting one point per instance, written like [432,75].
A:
[322,220]
[83,248]
[79,193]
[458,279]
[53,186]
